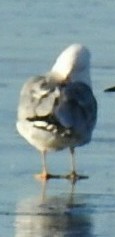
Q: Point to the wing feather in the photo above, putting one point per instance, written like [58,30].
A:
[77,108]
[37,98]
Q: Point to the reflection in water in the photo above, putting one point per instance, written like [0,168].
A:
[50,215]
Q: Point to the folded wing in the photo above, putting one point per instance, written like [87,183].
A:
[37,99]
[78,109]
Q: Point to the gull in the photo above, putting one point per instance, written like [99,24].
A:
[58,109]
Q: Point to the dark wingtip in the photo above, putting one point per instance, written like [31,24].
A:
[111,89]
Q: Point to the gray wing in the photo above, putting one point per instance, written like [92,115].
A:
[78,109]
[37,98]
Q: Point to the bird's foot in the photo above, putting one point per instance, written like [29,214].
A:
[43,176]
[73,176]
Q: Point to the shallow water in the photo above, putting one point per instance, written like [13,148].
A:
[32,34]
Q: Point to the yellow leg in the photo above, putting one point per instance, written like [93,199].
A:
[73,162]
[44,175]
[73,175]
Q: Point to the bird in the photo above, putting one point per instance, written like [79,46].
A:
[58,109]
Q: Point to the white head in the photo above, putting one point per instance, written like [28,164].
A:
[74,63]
